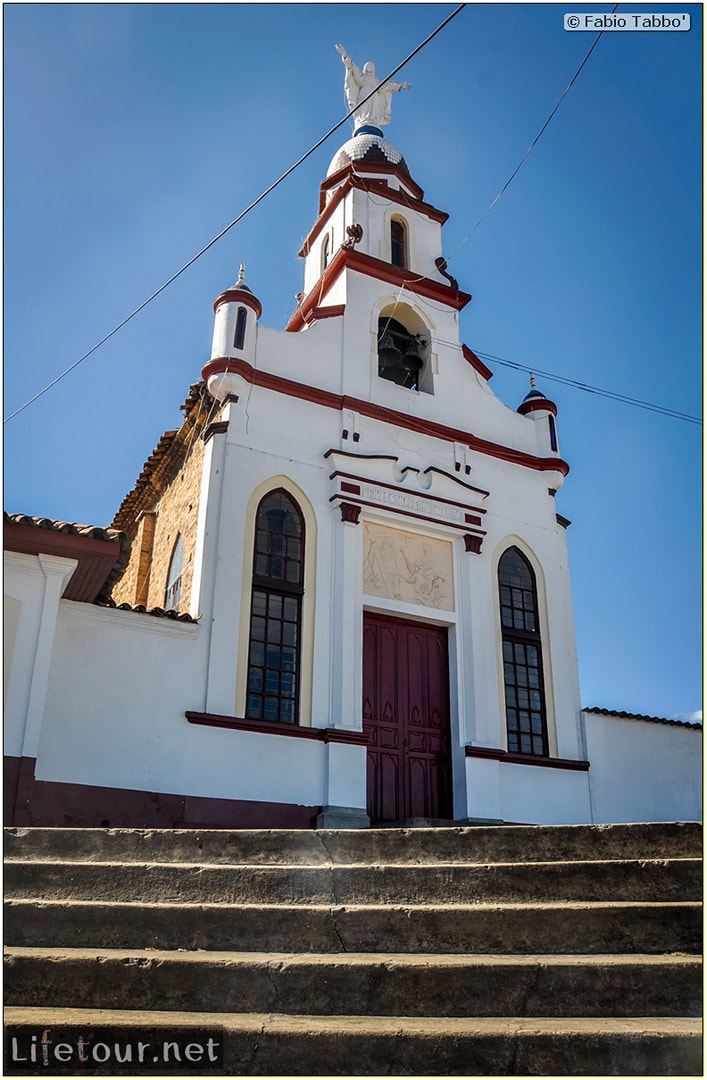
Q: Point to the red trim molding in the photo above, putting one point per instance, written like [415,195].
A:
[262,727]
[513,758]
[53,804]
[340,402]
[537,403]
[380,187]
[239,296]
[350,512]
[358,261]
[349,171]
[376,187]
[326,211]
[418,494]
[331,312]
[478,365]
[220,427]
[409,513]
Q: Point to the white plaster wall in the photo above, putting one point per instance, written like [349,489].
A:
[340,355]
[118,690]
[222,343]
[11,622]
[23,586]
[643,771]
[120,682]
[519,510]
[424,235]
[527,794]
[33,587]
[248,462]
[335,228]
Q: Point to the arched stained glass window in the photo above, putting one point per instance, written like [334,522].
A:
[174,577]
[274,649]
[239,336]
[526,720]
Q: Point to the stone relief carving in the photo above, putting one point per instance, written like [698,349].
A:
[406,566]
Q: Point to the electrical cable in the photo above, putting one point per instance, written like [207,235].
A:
[235,221]
[624,399]
[535,141]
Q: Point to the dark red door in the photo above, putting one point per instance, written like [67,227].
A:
[406,719]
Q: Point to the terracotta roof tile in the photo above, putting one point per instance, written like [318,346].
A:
[99,570]
[640,716]
[156,612]
[142,495]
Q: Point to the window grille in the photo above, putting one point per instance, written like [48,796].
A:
[526,720]
[274,648]
[174,577]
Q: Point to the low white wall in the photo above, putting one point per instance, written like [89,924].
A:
[642,770]
[527,794]
[118,690]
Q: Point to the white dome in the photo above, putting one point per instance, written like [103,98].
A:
[366,147]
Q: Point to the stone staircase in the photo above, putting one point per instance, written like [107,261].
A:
[476,951]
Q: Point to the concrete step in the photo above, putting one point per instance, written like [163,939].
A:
[463,951]
[391,846]
[572,927]
[648,880]
[266,1044]
[369,984]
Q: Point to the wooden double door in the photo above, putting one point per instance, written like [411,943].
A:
[406,719]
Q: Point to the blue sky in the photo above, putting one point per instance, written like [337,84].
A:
[135,133]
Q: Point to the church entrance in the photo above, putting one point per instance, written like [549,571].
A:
[406,719]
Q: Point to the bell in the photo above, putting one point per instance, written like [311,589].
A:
[388,355]
[411,362]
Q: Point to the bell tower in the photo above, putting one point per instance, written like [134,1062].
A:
[374,257]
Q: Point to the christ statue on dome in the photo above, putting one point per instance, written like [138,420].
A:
[359,84]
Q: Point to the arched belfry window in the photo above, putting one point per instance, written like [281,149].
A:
[398,243]
[173,591]
[401,354]
[239,335]
[526,719]
[274,650]
[326,251]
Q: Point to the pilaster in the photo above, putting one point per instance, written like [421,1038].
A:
[57,572]
[347,621]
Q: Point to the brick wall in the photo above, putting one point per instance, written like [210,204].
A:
[176,514]
[163,505]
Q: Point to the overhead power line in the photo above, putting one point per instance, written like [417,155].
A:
[228,227]
[624,399]
[533,144]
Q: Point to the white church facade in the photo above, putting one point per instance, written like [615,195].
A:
[339,594]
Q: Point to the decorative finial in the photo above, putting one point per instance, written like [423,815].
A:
[533,385]
[241,274]
[359,85]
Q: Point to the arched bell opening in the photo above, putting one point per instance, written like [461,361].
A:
[401,354]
